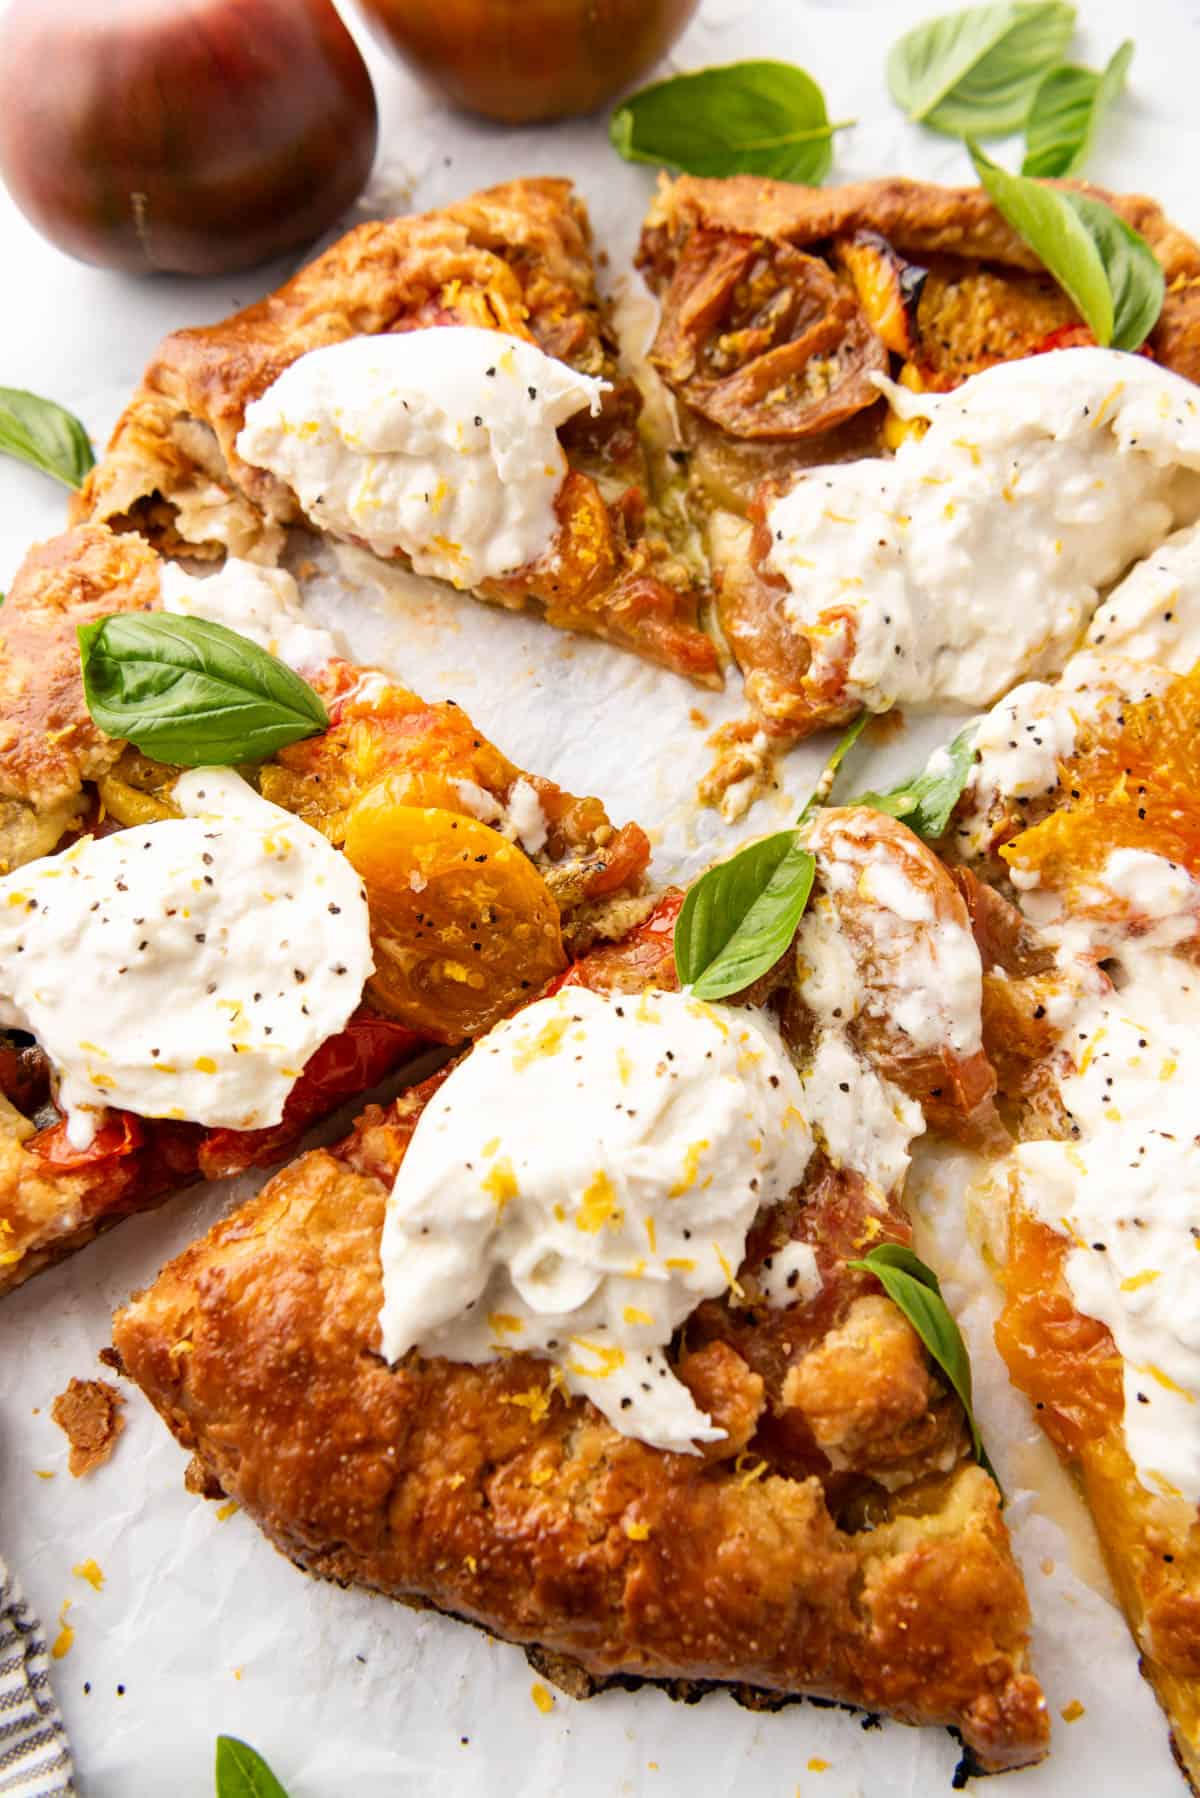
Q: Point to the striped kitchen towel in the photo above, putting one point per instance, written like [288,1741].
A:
[35,1756]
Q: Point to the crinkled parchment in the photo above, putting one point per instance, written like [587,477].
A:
[200,1627]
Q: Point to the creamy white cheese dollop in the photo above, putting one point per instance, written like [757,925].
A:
[584,1178]
[189,968]
[1021,742]
[1154,614]
[260,603]
[976,557]
[439,444]
[1127,1193]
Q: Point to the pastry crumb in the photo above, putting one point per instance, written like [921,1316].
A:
[542,1697]
[226,1511]
[1071,1713]
[89,1414]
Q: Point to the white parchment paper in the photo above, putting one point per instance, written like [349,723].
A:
[200,1627]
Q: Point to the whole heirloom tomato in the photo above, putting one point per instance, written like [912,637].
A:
[199,136]
[521,61]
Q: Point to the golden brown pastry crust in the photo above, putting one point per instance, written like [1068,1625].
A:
[48,744]
[514,258]
[836,1542]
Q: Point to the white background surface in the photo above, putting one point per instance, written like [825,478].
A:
[204,1626]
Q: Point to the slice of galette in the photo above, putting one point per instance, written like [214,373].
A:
[1090,934]
[576,1342]
[918,479]
[442,389]
[199,964]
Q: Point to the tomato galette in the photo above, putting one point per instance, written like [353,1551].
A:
[1082,808]
[269,942]
[807,334]
[504,458]
[578,1341]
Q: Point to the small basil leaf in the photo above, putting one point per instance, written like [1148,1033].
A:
[975,72]
[739,917]
[841,749]
[1107,269]
[926,801]
[243,1773]
[744,118]
[1067,107]
[916,1290]
[37,431]
[187,691]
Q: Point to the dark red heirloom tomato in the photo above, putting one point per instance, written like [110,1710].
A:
[198,136]
[520,61]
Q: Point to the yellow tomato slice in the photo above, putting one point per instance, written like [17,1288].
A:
[463,926]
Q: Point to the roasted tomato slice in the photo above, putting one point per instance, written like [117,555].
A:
[765,340]
[119,1135]
[463,925]
[346,1065]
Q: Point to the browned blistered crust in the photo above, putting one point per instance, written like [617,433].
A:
[48,744]
[920,219]
[514,258]
[89,1414]
[838,1542]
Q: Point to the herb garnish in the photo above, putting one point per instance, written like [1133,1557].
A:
[241,1772]
[743,118]
[1067,107]
[739,917]
[46,436]
[1107,269]
[188,691]
[975,72]
[926,800]
[916,1290]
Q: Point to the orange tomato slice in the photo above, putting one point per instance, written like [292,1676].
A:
[463,926]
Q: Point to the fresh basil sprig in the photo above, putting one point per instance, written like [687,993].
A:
[743,118]
[37,431]
[243,1773]
[841,749]
[1106,267]
[926,801]
[740,916]
[974,73]
[188,691]
[916,1290]
[1066,109]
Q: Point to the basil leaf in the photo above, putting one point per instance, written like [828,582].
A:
[916,1290]
[1107,269]
[243,1773]
[824,786]
[975,72]
[187,691]
[740,916]
[926,801]
[37,431]
[1067,107]
[744,118]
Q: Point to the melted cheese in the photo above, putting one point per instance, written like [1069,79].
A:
[1125,1189]
[582,1180]
[439,444]
[260,603]
[977,556]
[186,969]
[1154,614]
